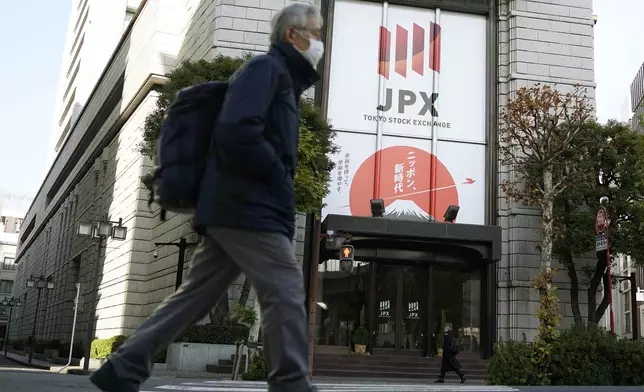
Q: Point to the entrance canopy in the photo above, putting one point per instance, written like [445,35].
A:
[382,239]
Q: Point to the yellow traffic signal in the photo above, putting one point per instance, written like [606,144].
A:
[346,252]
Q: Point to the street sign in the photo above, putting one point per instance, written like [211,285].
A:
[639,295]
[601,220]
[601,242]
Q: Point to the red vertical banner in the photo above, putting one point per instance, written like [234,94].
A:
[434,47]
[376,174]
[384,52]
[418,49]
[402,39]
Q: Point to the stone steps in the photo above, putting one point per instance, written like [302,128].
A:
[390,367]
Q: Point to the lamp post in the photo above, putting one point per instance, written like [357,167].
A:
[10,303]
[183,244]
[101,230]
[633,279]
[38,283]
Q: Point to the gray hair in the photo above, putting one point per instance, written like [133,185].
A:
[296,15]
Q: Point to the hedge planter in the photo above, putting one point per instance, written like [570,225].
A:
[195,356]
[360,339]
[51,354]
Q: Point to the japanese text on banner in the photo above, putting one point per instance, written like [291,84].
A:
[411,172]
[399,174]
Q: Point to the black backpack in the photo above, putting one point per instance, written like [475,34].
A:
[183,147]
[454,347]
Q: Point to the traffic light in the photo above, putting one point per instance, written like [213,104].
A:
[346,258]
[346,253]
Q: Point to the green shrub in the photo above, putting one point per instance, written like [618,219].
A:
[601,359]
[579,356]
[54,344]
[257,370]
[360,336]
[78,350]
[161,356]
[102,348]
[511,364]
[40,346]
[215,334]
[18,344]
[582,357]
[628,362]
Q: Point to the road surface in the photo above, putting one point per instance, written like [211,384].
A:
[14,377]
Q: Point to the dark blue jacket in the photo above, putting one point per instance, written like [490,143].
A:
[248,183]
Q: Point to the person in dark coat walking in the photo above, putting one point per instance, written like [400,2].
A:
[449,361]
[246,207]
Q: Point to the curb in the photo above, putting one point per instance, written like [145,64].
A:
[78,372]
[27,364]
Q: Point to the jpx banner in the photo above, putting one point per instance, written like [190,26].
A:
[401,78]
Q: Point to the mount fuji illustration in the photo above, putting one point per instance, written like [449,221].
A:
[406,209]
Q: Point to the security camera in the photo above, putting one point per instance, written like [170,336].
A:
[603,200]
[156,253]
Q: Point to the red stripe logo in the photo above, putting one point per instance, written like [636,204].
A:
[418,52]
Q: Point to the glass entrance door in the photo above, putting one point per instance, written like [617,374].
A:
[401,303]
[386,292]
[414,305]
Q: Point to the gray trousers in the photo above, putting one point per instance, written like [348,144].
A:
[268,262]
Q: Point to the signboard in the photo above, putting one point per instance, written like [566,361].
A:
[639,296]
[601,220]
[382,82]
[601,242]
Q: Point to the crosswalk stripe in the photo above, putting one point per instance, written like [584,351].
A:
[363,386]
[229,386]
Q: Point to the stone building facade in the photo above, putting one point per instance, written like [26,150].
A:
[547,42]
[96,174]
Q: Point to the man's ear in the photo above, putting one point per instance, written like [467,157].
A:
[289,35]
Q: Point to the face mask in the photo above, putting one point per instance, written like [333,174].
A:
[315,51]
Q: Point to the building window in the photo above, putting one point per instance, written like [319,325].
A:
[6,286]
[8,263]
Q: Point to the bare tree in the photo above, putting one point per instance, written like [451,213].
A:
[538,140]
[540,136]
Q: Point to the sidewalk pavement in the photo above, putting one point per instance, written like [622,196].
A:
[24,361]
[78,370]
[251,386]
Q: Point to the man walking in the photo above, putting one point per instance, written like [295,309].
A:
[449,361]
[246,208]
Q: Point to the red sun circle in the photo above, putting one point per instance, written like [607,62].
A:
[404,180]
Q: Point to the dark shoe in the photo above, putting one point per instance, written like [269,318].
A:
[463,380]
[106,379]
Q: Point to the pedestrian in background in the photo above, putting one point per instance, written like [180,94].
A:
[449,361]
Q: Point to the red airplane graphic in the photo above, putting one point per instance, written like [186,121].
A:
[469,181]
